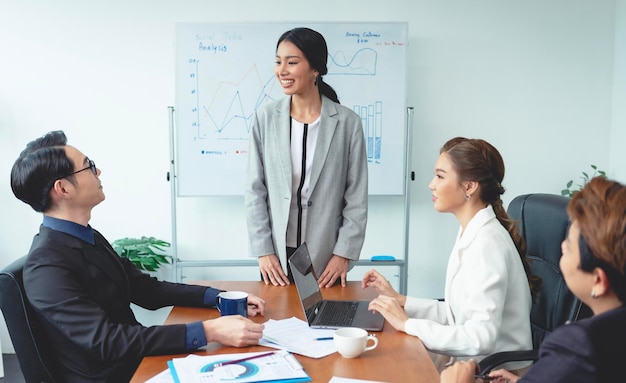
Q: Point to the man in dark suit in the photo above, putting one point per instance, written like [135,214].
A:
[81,289]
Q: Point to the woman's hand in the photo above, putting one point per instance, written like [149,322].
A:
[272,271]
[337,268]
[504,376]
[392,311]
[375,279]
[459,372]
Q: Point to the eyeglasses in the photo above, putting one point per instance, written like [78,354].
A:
[92,166]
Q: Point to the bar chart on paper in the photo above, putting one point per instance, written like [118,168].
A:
[225,71]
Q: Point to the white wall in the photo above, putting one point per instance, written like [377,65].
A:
[618,131]
[533,77]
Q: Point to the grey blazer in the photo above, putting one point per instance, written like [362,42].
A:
[337,209]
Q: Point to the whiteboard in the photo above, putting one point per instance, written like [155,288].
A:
[225,71]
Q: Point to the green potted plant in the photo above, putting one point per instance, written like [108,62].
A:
[146,253]
[571,188]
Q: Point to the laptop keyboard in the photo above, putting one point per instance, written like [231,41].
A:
[338,313]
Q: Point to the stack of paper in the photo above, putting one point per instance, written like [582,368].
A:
[278,366]
[295,335]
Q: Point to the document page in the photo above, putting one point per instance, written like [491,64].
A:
[295,335]
[278,366]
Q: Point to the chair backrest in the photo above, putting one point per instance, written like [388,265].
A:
[543,221]
[26,335]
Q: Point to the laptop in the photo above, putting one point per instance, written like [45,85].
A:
[322,313]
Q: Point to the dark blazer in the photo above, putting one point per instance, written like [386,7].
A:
[82,295]
[589,350]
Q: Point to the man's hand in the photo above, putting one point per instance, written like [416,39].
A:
[233,330]
[256,306]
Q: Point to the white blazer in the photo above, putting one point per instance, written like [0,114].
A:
[337,207]
[487,297]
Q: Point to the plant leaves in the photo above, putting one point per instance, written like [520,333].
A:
[585,176]
[146,253]
[569,191]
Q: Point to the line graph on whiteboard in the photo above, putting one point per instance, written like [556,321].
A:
[225,72]
[225,113]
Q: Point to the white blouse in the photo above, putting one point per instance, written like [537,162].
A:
[297,140]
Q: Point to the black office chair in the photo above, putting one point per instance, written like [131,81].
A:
[26,335]
[543,222]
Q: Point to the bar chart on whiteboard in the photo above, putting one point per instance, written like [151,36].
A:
[225,71]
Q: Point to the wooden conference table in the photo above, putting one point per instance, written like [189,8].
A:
[398,358]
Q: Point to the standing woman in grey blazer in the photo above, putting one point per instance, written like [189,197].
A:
[307,169]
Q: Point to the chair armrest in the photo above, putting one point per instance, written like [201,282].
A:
[494,360]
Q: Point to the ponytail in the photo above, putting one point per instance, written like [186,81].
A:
[534,282]
[327,90]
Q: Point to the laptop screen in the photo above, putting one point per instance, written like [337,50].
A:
[306,282]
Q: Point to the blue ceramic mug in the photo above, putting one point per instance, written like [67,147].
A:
[232,303]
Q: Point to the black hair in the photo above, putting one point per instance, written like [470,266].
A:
[314,47]
[37,168]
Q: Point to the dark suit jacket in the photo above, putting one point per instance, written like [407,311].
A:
[589,350]
[82,294]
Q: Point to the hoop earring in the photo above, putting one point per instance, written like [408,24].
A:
[467,197]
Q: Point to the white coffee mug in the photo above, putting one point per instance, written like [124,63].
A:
[351,342]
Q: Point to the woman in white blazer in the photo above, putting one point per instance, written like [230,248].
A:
[307,169]
[487,295]
[593,263]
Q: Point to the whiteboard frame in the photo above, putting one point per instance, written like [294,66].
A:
[178,264]
[173,178]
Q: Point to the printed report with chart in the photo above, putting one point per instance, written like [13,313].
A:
[278,366]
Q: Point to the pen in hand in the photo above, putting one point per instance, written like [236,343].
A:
[244,359]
